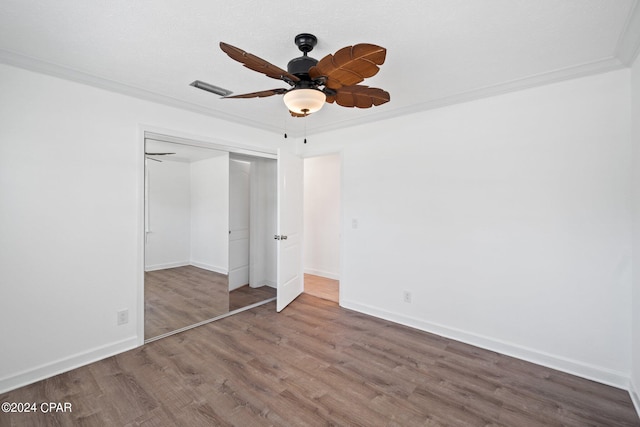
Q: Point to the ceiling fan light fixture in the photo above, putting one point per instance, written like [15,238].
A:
[304,101]
[339,73]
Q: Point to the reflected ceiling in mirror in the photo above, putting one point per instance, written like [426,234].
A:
[169,151]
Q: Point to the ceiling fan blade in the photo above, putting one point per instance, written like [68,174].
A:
[261,94]
[359,96]
[257,64]
[158,154]
[350,65]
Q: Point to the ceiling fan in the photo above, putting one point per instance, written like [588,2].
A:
[334,78]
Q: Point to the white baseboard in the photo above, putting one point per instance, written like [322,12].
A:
[270,283]
[574,367]
[238,277]
[322,273]
[63,365]
[635,396]
[209,267]
[262,283]
[155,267]
[202,265]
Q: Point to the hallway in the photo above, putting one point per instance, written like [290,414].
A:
[321,287]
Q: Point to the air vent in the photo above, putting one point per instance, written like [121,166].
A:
[211,88]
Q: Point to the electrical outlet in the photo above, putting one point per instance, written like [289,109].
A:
[354,223]
[406,296]
[123,317]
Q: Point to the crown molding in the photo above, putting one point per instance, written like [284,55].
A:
[627,50]
[588,69]
[628,46]
[55,70]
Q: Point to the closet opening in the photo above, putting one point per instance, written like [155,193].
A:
[209,213]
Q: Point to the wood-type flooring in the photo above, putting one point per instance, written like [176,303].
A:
[316,364]
[321,287]
[246,295]
[178,297]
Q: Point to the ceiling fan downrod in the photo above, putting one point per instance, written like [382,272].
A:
[300,66]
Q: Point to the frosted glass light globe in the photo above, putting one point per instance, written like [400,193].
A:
[304,101]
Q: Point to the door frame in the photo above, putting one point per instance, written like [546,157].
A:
[341,223]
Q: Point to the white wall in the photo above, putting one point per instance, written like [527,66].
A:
[635,135]
[169,230]
[507,218]
[322,216]
[71,224]
[210,213]
[188,214]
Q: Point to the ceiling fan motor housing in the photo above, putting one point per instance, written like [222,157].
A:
[300,66]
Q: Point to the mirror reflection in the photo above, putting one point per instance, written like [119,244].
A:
[207,218]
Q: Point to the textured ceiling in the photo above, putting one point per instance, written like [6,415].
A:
[439,51]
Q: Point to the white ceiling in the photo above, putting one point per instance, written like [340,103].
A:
[438,51]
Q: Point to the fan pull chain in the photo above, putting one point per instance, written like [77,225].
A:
[305,129]
[285,127]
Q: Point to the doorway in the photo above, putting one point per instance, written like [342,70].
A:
[322,220]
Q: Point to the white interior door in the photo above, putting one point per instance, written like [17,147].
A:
[290,278]
[239,230]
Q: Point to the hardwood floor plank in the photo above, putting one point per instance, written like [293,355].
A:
[182,296]
[322,287]
[247,295]
[316,364]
